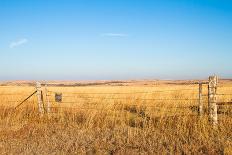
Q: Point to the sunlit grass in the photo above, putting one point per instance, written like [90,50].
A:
[113,120]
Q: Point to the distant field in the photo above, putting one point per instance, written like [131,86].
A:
[108,117]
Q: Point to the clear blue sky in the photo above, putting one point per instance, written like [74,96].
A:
[115,39]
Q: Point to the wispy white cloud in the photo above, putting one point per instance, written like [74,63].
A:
[18,42]
[114,34]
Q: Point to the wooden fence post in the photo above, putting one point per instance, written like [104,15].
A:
[39,97]
[212,96]
[47,99]
[200,99]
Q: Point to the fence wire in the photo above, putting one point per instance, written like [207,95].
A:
[73,96]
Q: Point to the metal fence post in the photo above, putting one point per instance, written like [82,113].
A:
[212,96]
[39,97]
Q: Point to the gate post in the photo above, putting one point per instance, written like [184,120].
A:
[39,97]
[212,97]
[47,99]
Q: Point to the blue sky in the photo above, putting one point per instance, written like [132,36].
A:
[115,39]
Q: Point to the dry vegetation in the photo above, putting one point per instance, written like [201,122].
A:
[115,119]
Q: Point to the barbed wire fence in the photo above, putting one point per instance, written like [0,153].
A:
[46,98]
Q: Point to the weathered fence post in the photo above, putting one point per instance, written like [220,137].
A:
[200,99]
[47,99]
[39,98]
[212,97]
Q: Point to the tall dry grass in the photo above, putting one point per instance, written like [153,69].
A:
[113,120]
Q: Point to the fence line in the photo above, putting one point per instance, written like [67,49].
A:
[141,106]
[224,103]
[224,94]
[65,102]
[224,86]
[152,92]
[155,99]
[114,109]
[213,93]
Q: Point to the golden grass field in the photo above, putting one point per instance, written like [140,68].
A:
[129,118]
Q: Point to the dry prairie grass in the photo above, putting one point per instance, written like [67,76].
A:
[113,120]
